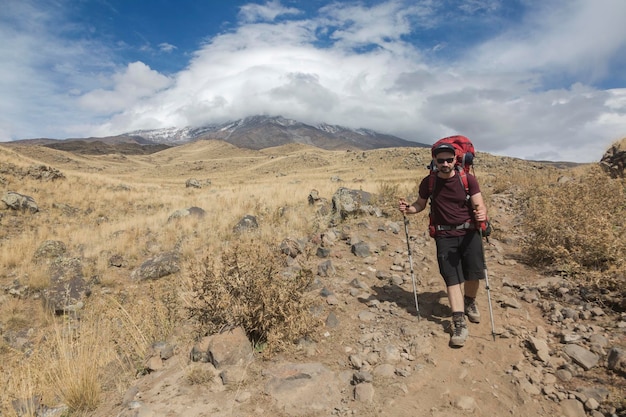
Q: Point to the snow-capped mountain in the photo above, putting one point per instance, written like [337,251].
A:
[258,132]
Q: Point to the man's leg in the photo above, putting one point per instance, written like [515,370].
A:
[459,327]
[455,296]
[469,300]
[471,288]
[452,273]
[473,270]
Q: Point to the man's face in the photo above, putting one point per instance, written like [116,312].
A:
[445,162]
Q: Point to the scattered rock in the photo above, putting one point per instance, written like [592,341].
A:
[68,287]
[193,183]
[581,356]
[465,403]
[364,393]
[50,249]
[617,360]
[230,348]
[302,388]
[247,224]
[20,202]
[187,212]
[157,267]
[572,408]
[614,159]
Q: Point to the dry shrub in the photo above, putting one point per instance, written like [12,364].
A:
[388,193]
[76,367]
[251,289]
[578,225]
[199,374]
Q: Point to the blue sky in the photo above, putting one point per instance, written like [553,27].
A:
[535,79]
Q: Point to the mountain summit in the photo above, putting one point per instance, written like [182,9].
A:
[254,132]
[258,132]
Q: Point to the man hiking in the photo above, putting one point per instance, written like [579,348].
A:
[456,208]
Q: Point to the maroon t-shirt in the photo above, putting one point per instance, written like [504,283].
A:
[450,205]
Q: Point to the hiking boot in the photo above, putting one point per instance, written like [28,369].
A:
[459,333]
[471,311]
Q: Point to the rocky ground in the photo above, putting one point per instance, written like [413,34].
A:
[551,349]
[549,352]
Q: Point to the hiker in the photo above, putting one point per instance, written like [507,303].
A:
[456,209]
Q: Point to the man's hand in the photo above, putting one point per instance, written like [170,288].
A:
[403,206]
[480,213]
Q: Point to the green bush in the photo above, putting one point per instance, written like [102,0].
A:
[251,290]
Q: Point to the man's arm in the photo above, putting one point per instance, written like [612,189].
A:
[480,210]
[416,207]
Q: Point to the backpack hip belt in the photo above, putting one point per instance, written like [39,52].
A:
[462,226]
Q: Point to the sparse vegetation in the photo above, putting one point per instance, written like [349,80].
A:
[388,194]
[577,226]
[250,289]
[77,361]
[102,208]
[109,207]
[199,375]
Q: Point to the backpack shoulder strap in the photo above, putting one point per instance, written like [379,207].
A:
[464,181]
[432,179]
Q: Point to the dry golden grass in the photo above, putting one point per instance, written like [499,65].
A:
[577,226]
[120,205]
[75,370]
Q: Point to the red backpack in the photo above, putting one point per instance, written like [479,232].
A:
[464,153]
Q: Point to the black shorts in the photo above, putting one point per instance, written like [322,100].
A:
[460,258]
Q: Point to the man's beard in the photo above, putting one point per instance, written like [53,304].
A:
[445,169]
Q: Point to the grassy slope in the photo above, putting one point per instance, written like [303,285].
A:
[119,204]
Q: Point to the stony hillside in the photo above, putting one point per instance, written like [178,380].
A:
[375,357]
[543,347]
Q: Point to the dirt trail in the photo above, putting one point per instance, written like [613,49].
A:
[436,380]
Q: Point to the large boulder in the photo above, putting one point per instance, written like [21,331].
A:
[303,389]
[157,267]
[17,201]
[68,287]
[617,360]
[45,173]
[229,348]
[49,250]
[247,223]
[349,202]
[187,212]
[614,159]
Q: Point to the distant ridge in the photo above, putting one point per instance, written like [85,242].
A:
[260,132]
[254,132]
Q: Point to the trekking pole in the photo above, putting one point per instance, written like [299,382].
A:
[493,328]
[408,245]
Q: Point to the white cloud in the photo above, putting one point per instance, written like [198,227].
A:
[350,25]
[137,81]
[473,6]
[39,68]
[555,124]
[166,47]
[265,13]
[350,65]
[576,38]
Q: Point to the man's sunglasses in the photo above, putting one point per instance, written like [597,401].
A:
[442,160]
